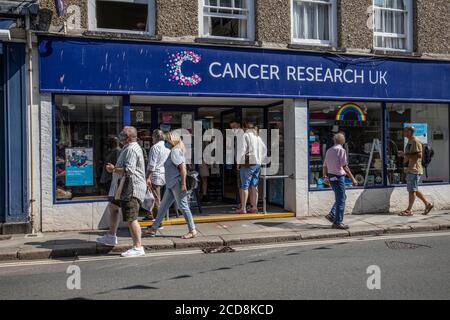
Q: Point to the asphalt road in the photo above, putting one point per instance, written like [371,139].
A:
[412,267]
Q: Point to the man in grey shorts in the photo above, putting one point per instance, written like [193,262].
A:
[130,164]
[414,171]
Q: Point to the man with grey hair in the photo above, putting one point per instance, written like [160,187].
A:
[157,156]
[335,169]
[127,191]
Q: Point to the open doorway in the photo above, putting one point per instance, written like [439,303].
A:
[218,192]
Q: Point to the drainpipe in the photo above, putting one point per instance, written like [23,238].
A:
[30,120]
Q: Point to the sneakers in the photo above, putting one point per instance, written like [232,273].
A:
[134,252]
[108,240]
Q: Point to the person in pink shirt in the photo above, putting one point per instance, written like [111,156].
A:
[335,169]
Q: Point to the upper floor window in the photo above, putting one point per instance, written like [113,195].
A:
[314,22]
[135,16]
[229,19]
[393,24]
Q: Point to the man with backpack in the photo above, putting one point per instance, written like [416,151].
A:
[413,157]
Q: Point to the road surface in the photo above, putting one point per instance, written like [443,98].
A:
[411,267]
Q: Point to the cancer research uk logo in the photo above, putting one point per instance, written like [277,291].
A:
[175,64]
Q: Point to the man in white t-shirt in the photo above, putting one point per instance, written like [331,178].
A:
[155,170]
[251,156]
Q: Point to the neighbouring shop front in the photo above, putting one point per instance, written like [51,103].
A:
[13,139]
[91,88]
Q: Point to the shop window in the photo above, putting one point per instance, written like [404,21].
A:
[314,22]
[136,16]
[361,123]
[275,188]
[227,19]
[392,21]
[86,130]
[431,122]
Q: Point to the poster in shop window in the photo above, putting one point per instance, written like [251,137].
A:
[79,167]
[421,132]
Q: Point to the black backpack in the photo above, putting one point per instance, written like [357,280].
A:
[427,155]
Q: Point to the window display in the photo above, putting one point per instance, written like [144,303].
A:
[86,129]
[361,122]
[431,124]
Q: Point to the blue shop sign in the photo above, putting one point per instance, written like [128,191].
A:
[70,65]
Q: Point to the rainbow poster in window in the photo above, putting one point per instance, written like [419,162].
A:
[350,108]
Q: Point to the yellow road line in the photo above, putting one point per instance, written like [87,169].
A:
[223,218]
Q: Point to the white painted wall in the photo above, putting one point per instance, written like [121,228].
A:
[384,200]
[296,155]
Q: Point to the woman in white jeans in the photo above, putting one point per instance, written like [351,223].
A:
[175,174]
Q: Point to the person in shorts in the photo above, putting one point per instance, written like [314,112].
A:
[251,155]
[130,164]
[412,157]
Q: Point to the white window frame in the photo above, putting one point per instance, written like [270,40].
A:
[151,17]
[409,27]
[203,29]
[332,21]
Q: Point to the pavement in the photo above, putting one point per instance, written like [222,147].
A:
[216,235]
[393,266]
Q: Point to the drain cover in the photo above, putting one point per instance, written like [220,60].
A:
[225,249]
[397,245]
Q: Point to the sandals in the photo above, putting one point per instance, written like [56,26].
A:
[428,209]
[190,235]
[150,232]
[253,210]
[406,213]
[240,211]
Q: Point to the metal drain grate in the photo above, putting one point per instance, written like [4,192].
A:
[397,245]
[225,249]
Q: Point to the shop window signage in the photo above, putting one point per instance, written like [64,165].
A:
[99,66]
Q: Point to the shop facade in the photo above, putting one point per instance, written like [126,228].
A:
[13,139]
[90,88]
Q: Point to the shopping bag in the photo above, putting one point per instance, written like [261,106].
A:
[149,201]
[118,194]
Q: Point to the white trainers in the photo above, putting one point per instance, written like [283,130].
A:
[134,252]
[108,240]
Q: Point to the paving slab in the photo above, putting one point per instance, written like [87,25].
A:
[199,242]
[424,226]
[5,237]
[396,228]
[212,229]
[156,243]
[270,227]
[8,254]
[73,250]
[323,234]
[391,219]
[365,230]
[255,238]
[173,231]
[31,253]
[243,227]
